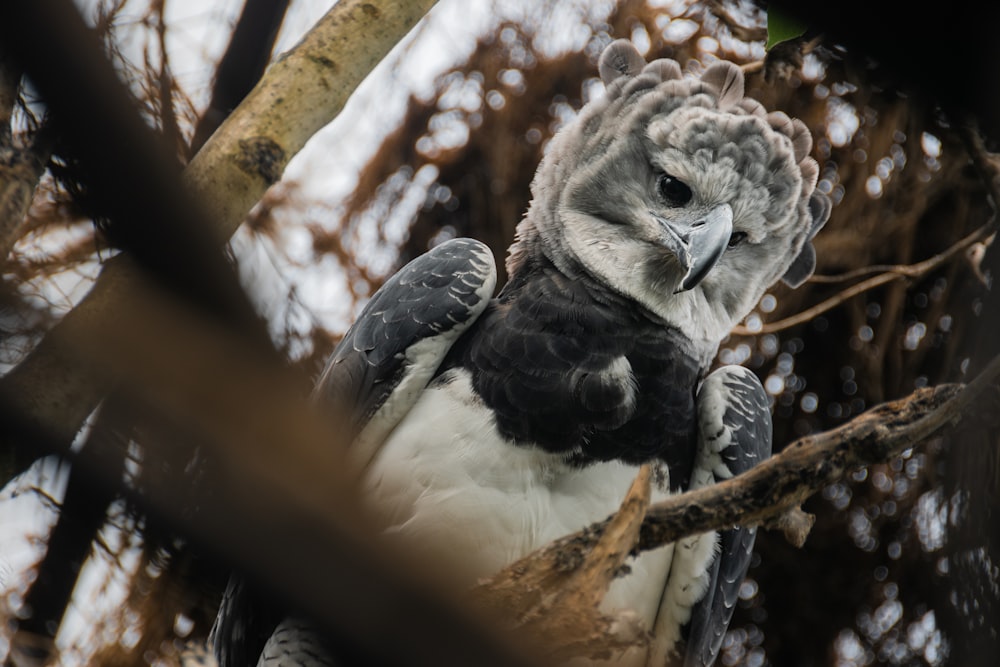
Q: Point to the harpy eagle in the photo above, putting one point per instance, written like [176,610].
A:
[487,427]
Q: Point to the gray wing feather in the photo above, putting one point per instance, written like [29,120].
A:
[434,298]
[296,643]
[245,621]
[744,430]
[428,304]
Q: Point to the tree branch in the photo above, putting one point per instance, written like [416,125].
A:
[242,64]
[556,602]
[769,494]
[280,504]
[787,479]
[890,274]
[300,94]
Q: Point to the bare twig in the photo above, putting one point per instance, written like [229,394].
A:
[985,162]
[891,273]
[165,81]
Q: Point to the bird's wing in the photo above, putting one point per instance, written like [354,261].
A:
[245,621]
[705,573]
[373,378]
[735,424]
[396,345]
[296,643]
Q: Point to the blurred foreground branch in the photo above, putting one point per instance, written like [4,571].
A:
[276,499]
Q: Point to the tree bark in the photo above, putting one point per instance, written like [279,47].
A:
[300,94]
[81,516]
[784,481]
[242,64]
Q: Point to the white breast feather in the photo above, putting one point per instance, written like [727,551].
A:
[454,489]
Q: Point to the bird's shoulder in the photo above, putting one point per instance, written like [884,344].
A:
[403,333]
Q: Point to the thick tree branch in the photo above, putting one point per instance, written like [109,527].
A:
[281,505]
[787,479]
[299,94]
[81,515]
[242,64]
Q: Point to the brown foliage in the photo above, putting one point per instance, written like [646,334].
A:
[868,552]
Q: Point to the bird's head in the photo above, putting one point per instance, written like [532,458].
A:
[680,193]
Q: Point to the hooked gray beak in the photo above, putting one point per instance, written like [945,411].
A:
[698,246]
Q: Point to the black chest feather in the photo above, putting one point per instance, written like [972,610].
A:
[594,378]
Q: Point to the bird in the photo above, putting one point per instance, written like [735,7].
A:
[486,426]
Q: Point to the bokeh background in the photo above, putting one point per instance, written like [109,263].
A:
[442,140]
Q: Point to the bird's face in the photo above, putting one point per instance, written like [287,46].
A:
[683,195]
[694,218]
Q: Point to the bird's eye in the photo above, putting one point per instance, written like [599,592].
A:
[737,238]
[675,192]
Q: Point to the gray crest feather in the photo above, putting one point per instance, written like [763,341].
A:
[751,106]
[727,78]
[805,262]
[802,266]
[663,69]
[801,140]
[810,174]
[780,122]
[620,58]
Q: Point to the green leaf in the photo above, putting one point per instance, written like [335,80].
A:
[781,27]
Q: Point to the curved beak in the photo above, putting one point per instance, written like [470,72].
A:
[699,245]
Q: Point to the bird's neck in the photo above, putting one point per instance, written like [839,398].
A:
[531,353]
[569,277]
